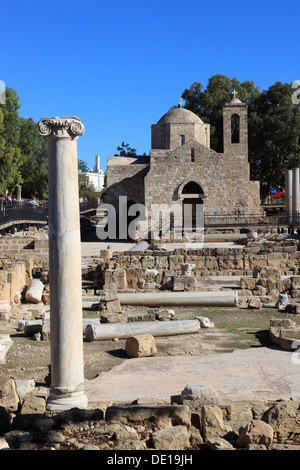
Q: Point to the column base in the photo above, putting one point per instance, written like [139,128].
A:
[66,403]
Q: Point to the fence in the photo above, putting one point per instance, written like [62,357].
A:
[19,212]
[251,220]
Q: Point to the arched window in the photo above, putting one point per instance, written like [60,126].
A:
[192,188]
[192,155]
[235,129]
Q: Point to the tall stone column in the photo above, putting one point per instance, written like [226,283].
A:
[67,379]
[296,192]
[289,193]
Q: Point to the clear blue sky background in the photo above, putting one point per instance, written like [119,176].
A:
[120,65]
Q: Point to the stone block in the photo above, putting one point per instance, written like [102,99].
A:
[34,291]
[176,438]
[136,278]
[205,322]
[295,282]
[33,405]
[212,422]
[293,308]
[184,283]
[4,286]
[291,344]
[107,253]
[248,283]
[265,272]
[159,416]
[256,432]
[278,260]
[9,398]
[254,303]
[113,317]
[282,322]
[118,278]
[291,332]
[140,346]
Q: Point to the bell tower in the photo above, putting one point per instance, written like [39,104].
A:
[235,127]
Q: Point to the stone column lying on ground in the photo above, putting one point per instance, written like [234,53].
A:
[141,246]
[107,331]
[67,379]
[34,291]
[158,299]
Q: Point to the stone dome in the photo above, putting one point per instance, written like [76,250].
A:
[180,116]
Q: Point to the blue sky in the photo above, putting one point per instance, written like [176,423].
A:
[120,65]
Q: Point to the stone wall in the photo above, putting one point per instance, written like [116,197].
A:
[13,279]
[21,248]
[157,269]
[21,259]
[125,177]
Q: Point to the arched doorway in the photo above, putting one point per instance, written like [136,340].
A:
[192,196]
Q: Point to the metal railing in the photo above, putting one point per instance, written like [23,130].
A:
[14,212]
[248,220]
[88,205]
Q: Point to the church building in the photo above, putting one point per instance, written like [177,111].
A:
[183,169]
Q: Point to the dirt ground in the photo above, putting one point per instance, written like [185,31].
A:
[234,328]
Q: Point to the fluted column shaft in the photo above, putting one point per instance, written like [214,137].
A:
[67,379]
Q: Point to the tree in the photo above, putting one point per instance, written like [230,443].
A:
[273,124]
[82,166]
[34,168]
[274,129]
[126,151]
[10,154]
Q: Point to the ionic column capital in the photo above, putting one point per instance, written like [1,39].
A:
[61,127]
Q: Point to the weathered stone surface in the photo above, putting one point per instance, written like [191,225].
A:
[203,394]
[113,317]
[254,303]
[205,322]
[284,418]
[212,422]
[256,432]
[8,395]
[161,416]
[219,444]
[176,438]
[293,308]
[24,386]
[248,283]
[131,444]
[267,272]
[282,302]
[282,322]
[5,345]
[34,291]
[33,404]
[141,346]
[162,313]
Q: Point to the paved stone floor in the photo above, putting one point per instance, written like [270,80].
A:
[261,373]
